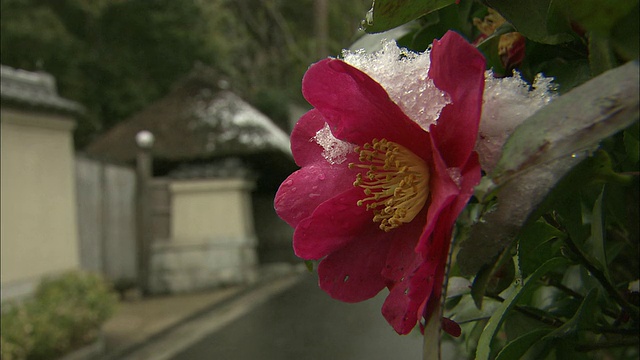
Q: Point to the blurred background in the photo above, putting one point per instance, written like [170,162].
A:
[142,144]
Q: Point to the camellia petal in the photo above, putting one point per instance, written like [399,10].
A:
[354,272]
[382,216]
[317,181]
[358,109]
[458,69]
[334,224]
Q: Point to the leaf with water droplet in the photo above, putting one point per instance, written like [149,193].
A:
[574,122]
[539,153]
[388,14]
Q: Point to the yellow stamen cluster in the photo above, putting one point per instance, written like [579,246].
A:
[396,183]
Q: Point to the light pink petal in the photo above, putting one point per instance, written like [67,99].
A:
[307,188]
[353,273]
[332,225]
[457,68]
[357,108]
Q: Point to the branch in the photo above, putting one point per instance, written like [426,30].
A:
[548,319]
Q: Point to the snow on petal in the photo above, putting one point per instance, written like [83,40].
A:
[404,75]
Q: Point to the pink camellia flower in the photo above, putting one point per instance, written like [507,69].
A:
[377,195]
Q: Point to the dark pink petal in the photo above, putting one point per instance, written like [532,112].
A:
[335,223]
[357,108]
[457,68]
[451,327]
[402,306]
[402,260]
[443,192]
[353,273]
[305,150]
[398,309]
[471,175]
[434,266]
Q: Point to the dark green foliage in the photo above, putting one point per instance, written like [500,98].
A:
[115,57]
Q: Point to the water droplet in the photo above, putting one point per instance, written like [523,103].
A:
[294,189]
[321,177]
[288,182]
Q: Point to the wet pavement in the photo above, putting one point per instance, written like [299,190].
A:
[302,322]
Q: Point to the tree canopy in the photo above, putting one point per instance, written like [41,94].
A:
[116,56]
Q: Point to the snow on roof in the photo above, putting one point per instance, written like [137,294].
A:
[36,89]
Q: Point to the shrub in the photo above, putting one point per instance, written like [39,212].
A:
[64,314]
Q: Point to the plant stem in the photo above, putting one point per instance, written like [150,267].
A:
[548,319]
[560,286]
[607,344]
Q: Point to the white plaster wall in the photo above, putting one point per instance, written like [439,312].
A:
[205,209]
[38,207]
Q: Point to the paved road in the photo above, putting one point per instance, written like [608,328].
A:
[303,323]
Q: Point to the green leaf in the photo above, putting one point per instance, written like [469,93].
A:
[484,281]
[594,245]
[519,289]
[543,149]
[537,20]
[582,319]
[597,15]
[457,286]
[489,48]
[518,347]
[601,57]
[535,246]
[632,143]
[309,264]
[625,36]
[387,14]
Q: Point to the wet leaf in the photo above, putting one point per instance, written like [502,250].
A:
[309,264]
[625,36]
[388,14]
[457,286]
[515,201]
[589,13]
[535,246]
[537,20]
[601,56]
[518,347]
[573,123]
[543,149]
[582,319]
[484,282]
[632,143]
[594,245]
[519,289]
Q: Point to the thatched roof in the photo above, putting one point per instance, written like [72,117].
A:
[199,121]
